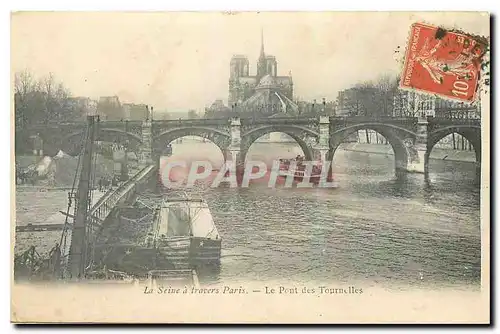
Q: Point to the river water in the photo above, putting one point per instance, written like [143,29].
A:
[373,229]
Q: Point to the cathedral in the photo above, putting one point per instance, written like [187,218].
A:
[265,93]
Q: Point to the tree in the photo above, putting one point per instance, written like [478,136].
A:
[356,100]
[24,89]
[370,98]
[386,87]
[40,101]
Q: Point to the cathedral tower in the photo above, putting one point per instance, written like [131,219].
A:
[238,69]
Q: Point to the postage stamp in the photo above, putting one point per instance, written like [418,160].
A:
[173,170]
[442,62]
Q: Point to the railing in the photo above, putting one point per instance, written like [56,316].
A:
[120,123]
[211,121]
[105,205]
[195,121]
[100,211]
[451,121]
[454,116]
[278,120]
[372,118]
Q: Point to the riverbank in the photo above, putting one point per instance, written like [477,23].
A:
[41,208]
[436,154]
[58,172]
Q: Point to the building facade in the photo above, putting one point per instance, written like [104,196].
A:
[135,112]
[412,104]
[83,106]
[110,108]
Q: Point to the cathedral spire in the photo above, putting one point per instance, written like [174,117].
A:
[262,54]
[261,63]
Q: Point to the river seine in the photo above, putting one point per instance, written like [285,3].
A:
[373,229]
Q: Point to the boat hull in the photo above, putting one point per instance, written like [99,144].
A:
[192,252]
[314,179]
[178,253]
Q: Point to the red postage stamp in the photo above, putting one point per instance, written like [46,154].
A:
[443,62]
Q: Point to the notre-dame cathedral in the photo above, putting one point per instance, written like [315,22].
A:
[265,88]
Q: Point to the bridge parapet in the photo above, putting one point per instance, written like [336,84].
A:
[440,124]
[134,127]
[377,119]
[453,121]
[280,120]
[119,124]
[372,118]
[408,124]
[197,121]
[159,127]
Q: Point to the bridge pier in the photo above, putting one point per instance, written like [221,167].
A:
[145,148]
[320,150]
[417,151]
[320,154]
[233,152]
[155,181]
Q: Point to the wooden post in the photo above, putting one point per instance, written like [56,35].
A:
[77,253]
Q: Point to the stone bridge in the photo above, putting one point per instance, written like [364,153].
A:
[411,138]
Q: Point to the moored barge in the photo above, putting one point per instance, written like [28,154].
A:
[179,234]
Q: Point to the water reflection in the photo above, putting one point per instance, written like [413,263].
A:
[376,227]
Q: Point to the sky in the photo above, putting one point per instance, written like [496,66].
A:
[180,61]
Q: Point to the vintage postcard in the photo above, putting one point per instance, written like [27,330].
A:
[245,167]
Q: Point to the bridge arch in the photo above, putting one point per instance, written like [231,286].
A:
[470,132]
[395,135]
[72,143]
[298,133]
[220,138]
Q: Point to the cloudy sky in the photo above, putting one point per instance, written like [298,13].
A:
[179,61]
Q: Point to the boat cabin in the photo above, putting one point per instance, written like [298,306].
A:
[182,217]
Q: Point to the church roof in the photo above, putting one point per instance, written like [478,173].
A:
[268,99]
[283,80]
[249,80]
[218,106]
[267,82]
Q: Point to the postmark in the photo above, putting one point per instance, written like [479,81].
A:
[441,62]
